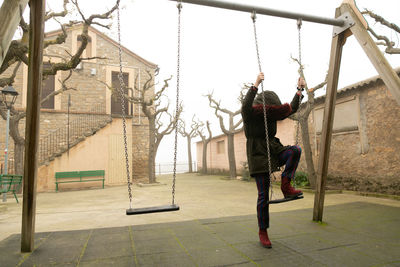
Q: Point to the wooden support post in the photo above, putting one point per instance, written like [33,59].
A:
[329,111]
[10,15]
[36,34]
[377,58]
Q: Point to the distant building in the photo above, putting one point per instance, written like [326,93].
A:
[217,151]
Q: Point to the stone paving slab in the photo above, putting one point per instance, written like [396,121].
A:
[357,234]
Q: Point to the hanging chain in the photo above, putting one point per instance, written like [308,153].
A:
[253,17]
[122,97]
[299,23]
[179,6]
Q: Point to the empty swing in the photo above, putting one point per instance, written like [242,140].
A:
[300,196]
[165,208]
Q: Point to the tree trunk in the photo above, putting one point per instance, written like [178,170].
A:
[19,157]
[189,153]
[305,135]
[19,145]
[204,160]
[231,156]
[152,154]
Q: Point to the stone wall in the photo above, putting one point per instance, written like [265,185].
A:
[366,159]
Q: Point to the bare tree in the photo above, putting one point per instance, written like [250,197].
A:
[233,128]
[189,134]
[151,107]
[301,116]
[205,142]
[383,40]
[17,54]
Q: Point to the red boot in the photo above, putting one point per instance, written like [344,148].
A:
[264,240]
[287,189]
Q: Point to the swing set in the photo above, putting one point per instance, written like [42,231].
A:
[348,21]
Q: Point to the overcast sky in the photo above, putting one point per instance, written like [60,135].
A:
[218,51]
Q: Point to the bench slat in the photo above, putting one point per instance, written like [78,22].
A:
[67,177]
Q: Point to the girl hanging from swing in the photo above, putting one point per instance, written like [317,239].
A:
[257,151]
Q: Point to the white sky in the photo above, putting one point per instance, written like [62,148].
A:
[218,51]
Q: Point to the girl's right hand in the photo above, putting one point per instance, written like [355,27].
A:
[259,80]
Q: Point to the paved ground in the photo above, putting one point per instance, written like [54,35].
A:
[216,226]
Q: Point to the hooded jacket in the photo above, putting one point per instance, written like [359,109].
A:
[254,129]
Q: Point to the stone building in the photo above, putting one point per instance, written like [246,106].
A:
[91,112]
[365,146]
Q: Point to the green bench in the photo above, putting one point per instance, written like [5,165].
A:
[10,183]
[79,177]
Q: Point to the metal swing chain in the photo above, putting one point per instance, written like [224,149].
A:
[122,97]
[179,6]
[253,17]
[299,23]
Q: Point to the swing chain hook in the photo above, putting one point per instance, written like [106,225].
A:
[254,16]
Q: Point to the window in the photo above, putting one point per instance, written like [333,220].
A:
[221,147]
[345,119]
[48,87]
[116,107]
[88,48]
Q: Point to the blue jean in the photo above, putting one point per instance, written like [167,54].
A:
[290,158]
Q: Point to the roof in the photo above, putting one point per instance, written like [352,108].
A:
[126,50]
[358,85]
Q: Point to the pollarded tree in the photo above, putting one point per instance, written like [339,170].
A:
[230,131]
[151,106]
[204,141]
[17,55]
[189,134]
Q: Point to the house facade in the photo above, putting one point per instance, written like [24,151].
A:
[91,109]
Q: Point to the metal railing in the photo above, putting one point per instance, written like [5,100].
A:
[62,139]
[181,167]
[10,165]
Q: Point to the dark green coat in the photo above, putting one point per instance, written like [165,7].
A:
[254,129]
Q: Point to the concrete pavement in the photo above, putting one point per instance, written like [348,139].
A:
[216,226]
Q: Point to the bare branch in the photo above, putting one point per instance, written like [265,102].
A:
[10,80]
[381,20]
[390,49]
[63,88]
[63,13]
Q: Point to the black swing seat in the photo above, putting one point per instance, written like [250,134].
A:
[165,208]
[281,200]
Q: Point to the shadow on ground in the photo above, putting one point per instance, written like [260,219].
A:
[356,234]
